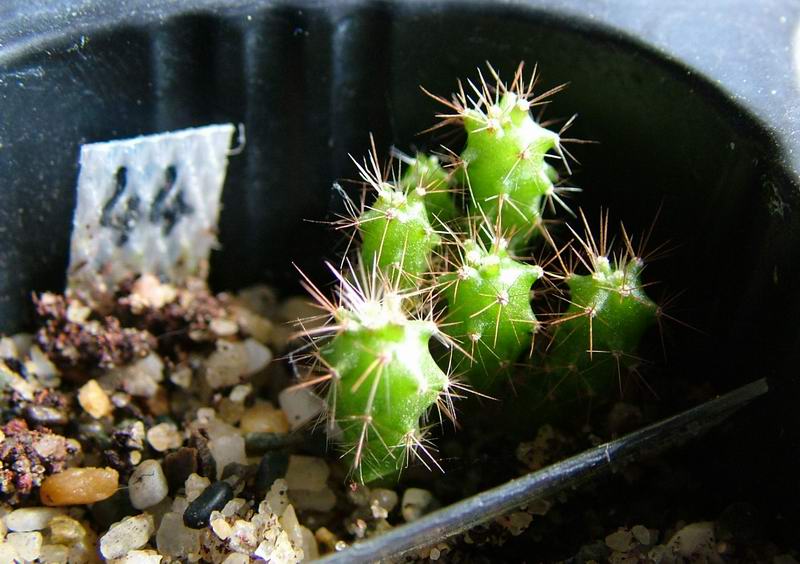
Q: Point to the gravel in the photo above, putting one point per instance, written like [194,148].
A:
[147,485]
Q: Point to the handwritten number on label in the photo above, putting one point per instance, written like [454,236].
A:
[169,212]
[123,217]
[121,178]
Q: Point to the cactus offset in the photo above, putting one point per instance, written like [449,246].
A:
[382,378]
[396,234]
[596,338]
[503,164]
[488,309]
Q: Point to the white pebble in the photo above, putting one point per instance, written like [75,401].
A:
[384,498]
[147,485]
[223,327]
[239,393]
[620,541]
[127,535]
[30,518]
[262,417]
[227,365]
[78,312]
[139,557]
[307,473]
[8,348]
[53,554]
[24,342]
[310,549]
[150,367]
[195,484]
[695,541]
[149,292]
[164,436]
[138,379]
[94,400]
[233,507]
[300,405]
[27,545]
[642,534]
[7,552]
[276,500]
[416,502]
[181,376]
[175,539]
[220,526]
[291,525]
[227,449]
[39,365]
[236,558]
[258,356]
[206,414]
[244,536]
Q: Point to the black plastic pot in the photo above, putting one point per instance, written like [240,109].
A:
[695,110]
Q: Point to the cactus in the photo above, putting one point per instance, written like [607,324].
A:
[396,234]
[596,338]
[382,378]
[488,309]
[503,163]
[374,352]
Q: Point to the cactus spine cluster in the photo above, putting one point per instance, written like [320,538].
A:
[426,254]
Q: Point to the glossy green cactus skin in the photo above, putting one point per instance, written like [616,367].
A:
[600,331]
[505,170]
[426,179]
[397,236]
[385,380]
[489,312]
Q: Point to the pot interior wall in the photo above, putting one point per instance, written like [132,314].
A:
[310,84]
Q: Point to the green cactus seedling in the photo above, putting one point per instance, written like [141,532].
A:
[488,309]
[396,234]
[596,338]
[503,163]
[382,378]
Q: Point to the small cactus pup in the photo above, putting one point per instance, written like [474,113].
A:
[595,340]
[381,378]
[396,234]
[503,163]
[425,178]
[489,313]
